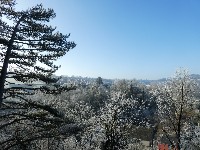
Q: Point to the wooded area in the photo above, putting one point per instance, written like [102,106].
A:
[39,110]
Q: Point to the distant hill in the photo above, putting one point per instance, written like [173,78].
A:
[77,80]
[82,80]
[147,82]
[195,76]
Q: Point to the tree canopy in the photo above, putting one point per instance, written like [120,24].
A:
[29,45]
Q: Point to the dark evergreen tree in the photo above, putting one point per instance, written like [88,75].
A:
[28,48]
[99,81]
[29,45]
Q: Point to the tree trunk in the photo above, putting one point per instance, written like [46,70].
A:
[179,120]
[6,60]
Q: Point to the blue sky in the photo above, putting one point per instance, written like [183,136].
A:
[142,39]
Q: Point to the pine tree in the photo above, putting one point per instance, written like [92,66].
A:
[27,43]
[28,48]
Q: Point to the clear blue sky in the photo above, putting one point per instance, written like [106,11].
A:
[142,39]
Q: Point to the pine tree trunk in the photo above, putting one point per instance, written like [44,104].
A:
[6,60]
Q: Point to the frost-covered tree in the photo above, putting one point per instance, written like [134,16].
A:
[114,124]
[109,129]
[175,100]
[120,86]
[144,106]
[92,95]
[45,122]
